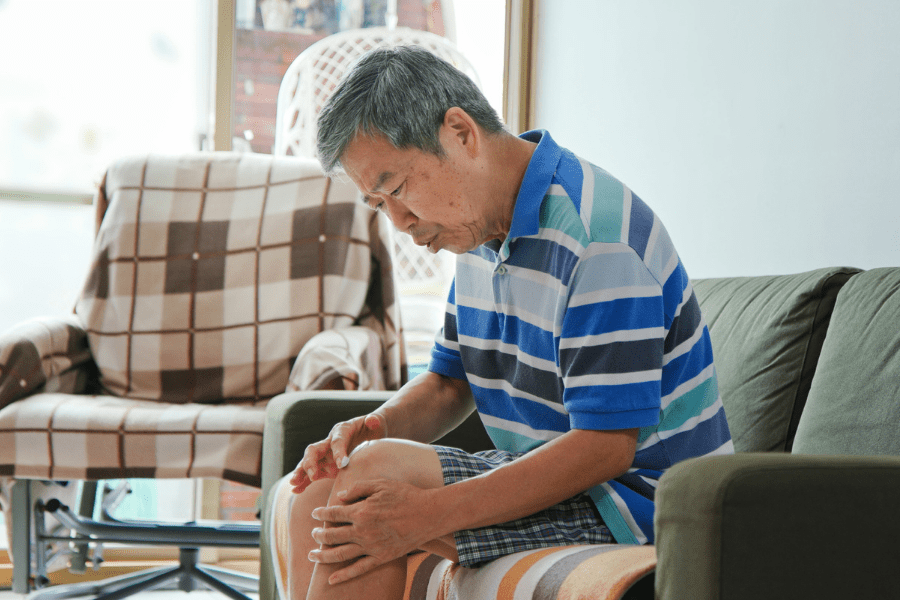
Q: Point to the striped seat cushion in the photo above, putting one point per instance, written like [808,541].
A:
[598,572]
[70,436]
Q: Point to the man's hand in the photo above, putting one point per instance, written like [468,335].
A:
[323,459]
[376,522]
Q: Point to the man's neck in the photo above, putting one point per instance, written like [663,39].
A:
[510,157]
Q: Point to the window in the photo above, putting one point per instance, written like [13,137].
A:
[107,78]
[102,79]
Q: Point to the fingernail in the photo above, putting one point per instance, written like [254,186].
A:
[344,462]
[312,556]
[310,474]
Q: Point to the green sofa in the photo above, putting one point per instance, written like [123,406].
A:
[810,371]
[809,368]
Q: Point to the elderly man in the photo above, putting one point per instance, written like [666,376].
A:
[571,327]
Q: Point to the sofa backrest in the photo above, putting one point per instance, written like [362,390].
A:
[767,333]
[854,403]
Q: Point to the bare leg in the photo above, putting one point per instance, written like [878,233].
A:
[391,459]
[300,524]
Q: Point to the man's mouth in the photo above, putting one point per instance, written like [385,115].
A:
[424,242]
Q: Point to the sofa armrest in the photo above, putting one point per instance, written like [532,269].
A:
[48,354]
[296,419]
[778,526]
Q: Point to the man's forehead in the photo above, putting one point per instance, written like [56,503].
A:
[371,163]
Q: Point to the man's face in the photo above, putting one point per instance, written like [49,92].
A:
[431,198]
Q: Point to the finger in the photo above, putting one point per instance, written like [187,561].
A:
[298,477]
[335,554]
[312,458]
[333,536]
[358,490]
[341,439]
[360,567]
[376,424]
[333,514]
[300,486]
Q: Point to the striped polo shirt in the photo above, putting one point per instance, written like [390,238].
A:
[584,318]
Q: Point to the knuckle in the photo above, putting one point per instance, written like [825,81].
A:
[343,553]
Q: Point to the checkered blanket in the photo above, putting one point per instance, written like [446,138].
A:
[210,273]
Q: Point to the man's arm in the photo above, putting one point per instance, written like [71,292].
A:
[560,469]
[396,518]
[423,410]
[427,408]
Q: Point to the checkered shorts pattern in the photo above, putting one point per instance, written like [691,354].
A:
[573,521]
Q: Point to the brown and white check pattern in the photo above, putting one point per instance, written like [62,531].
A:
[211,271]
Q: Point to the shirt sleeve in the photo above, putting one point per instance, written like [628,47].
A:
[612,341]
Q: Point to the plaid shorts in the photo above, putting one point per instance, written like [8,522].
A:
[572,521]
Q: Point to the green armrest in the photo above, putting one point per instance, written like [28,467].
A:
[765,525]
[297,419]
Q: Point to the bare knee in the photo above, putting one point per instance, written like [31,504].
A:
[399,460]
[302,504]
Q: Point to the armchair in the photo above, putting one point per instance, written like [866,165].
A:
[211,273]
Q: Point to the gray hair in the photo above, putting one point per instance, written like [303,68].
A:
[403,93]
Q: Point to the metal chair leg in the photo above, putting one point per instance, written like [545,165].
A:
[78,561]
[188,576]
[21,536]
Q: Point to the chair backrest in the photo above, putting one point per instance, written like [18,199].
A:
[306,87]
[212,270]
[312,76]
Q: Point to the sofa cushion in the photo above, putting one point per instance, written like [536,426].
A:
[767,333]
[854,403]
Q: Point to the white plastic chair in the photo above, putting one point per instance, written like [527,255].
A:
[306,87]
[312,77]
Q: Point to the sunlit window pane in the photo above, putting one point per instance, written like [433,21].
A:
[83,83]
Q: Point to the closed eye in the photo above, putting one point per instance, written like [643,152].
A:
[397,191]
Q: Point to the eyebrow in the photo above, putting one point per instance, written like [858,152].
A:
[385,175]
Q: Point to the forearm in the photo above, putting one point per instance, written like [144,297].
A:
[427,407]
[558,470]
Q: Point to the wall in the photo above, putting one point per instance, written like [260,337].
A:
[765,134]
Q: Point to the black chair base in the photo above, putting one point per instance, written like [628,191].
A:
[189,575]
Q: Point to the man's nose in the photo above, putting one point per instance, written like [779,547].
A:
[399,215]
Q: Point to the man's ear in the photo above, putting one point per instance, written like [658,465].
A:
[461,130]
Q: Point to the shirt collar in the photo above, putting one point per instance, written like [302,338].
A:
[537,179]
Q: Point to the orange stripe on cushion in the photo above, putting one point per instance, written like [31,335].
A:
[609,575]
[510,581]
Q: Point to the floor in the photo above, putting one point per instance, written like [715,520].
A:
[151,595]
